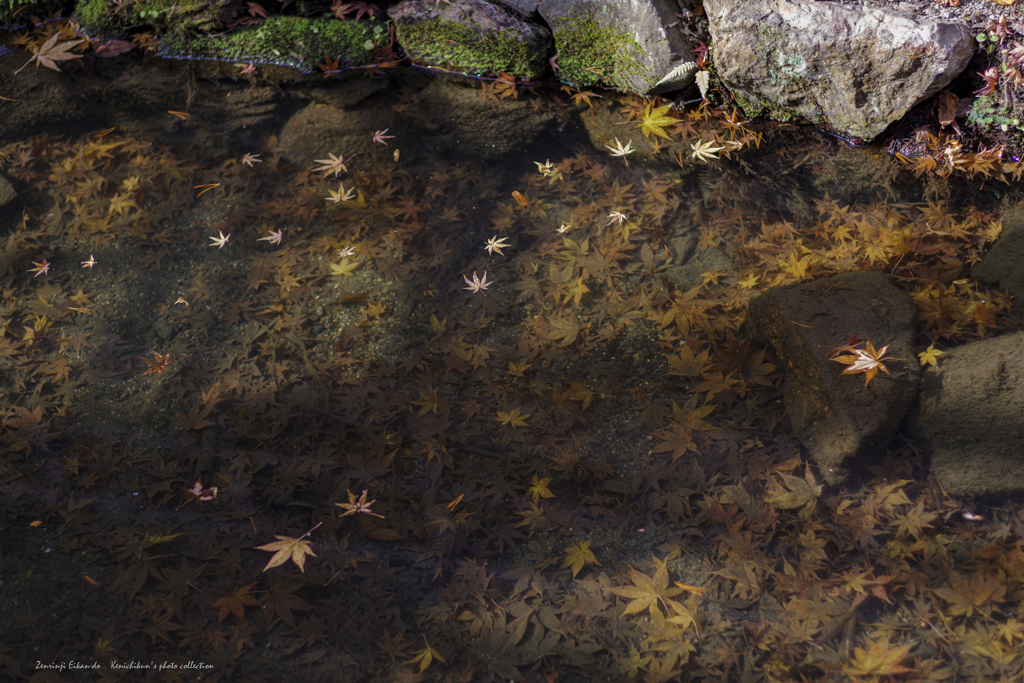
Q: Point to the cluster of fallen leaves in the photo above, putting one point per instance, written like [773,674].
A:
[61,41]
[584,473]
[942,154]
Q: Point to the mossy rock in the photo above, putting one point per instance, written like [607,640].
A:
[296,42]
[590,55]
[182,18]
[474,36]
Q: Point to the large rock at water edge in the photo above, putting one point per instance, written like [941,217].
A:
[854,68]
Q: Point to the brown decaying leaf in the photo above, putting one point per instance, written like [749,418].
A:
[51,52]
[112,48]
[947,110]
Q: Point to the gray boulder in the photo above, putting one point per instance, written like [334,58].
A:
[837,417]
[854,68]
[970,417]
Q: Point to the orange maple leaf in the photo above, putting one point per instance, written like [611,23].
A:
[867,360]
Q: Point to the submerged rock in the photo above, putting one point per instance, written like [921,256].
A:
[1003,264]
[837,417]
[448,116]
[8,204]
[854,68]
[970,417]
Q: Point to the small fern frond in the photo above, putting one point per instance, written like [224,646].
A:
[683,70]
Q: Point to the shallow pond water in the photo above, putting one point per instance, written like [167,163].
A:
[467,403]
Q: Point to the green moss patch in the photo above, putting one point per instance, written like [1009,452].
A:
[591,55]
[288,41]
[183,18]
[445,42]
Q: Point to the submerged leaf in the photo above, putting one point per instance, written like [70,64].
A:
[578,555]
[790,492]
[880,660]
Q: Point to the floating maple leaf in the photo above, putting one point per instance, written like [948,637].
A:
[335,165]
[51,52]
[867,360]
[655,119]
[287,548]
[705,150]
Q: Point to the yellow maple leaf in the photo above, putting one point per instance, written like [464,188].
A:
[120,202]
[513,418]
[687,363]
[647,593]
[578,555]
[539,488]
[288,548]
[654,120]
[749,282]
[930,356]
[346,268]
[966,594]
[879,660]
[789,492]
[426,656]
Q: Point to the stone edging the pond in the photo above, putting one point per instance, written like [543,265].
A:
[854,68]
